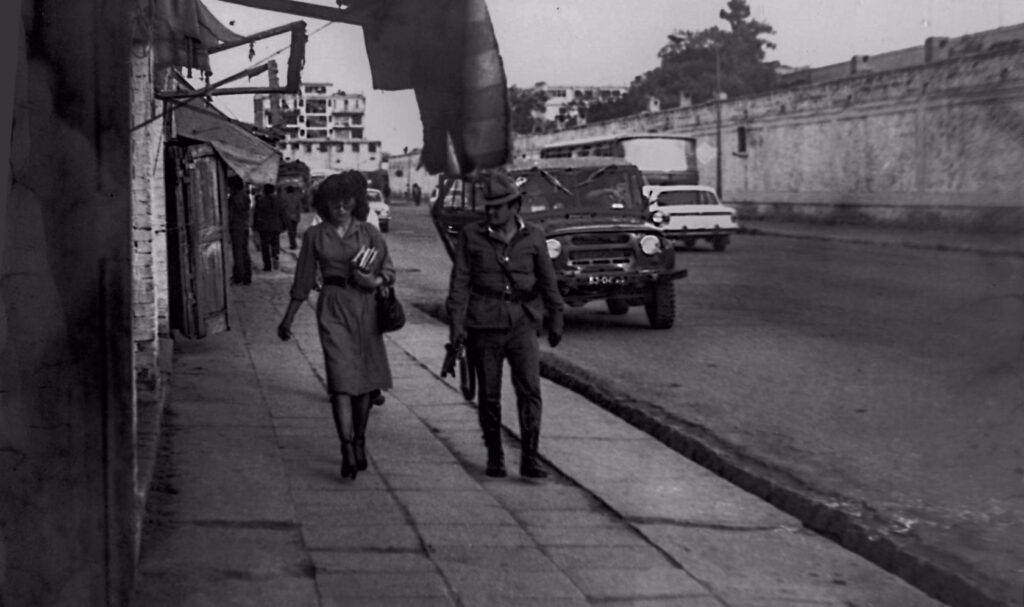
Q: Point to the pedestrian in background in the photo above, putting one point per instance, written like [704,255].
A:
[238,229]
[269,219]
[292,198]
[353,259]
[502,283]
[417,193]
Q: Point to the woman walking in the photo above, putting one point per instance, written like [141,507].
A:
[353,259]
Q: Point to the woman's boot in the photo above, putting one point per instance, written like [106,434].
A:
[349,469]
[360,453]
[360,419]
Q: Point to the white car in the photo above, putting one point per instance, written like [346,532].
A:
[690,212]
[379,209]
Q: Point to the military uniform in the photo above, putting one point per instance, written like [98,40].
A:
[499,292]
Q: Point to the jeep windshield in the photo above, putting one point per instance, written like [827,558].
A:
[612,188]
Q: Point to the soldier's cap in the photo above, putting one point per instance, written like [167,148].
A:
[498,188]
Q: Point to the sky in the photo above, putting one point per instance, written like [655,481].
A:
[603,42]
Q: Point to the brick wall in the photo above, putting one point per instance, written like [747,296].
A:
[150,288]
[149,228]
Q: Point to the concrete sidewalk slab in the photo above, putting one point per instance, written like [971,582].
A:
[249,507]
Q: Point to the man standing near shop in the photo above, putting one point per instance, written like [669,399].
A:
[238,228]
[269,219]
[502,283]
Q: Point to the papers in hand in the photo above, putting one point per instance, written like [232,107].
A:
[365,257]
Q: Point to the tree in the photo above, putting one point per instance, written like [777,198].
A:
[527,109]
[689,60]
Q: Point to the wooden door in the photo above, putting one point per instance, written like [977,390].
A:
[198,240]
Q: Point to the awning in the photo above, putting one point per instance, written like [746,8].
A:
[447,53]
[253,159]
[183,33]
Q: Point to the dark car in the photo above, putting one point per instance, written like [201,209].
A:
[599,233]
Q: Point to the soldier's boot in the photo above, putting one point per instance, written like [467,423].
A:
[495,455]
[529,464]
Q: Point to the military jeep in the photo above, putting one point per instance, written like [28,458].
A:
[598,229]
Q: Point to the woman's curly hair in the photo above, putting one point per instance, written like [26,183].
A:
[347,184]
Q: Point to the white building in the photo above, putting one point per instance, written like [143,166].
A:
[560,98]
[322,127]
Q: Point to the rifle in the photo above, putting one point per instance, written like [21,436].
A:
[455,355]
[452,354]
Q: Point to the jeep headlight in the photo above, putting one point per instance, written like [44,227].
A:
[650,245]
[658,218]
[554,248]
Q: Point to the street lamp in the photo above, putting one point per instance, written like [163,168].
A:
[718,124]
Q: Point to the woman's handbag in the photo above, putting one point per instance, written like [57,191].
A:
[390,314]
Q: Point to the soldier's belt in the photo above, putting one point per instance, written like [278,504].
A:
[513,296]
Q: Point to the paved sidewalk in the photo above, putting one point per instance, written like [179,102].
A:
[248,507]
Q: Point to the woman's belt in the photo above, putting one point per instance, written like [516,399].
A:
[513,296]
[338,281]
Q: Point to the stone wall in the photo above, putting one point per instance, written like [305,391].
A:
[939,144]
[66,434]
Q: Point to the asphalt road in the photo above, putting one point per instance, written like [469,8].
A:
[890,378]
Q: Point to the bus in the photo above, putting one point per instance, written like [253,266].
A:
[664,159]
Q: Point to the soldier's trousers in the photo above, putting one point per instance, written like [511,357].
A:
[488,349]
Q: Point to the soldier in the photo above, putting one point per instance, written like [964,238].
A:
[502,282]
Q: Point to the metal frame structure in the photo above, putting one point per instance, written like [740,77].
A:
[296,60]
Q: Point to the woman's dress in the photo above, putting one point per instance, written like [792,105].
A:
[354,352]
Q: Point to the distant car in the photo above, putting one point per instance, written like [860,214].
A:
[379,209]
[691,212]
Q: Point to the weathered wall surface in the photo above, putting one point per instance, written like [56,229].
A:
[65,334]
[404,170]
[937,144]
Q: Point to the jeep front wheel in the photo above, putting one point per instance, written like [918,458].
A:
[661,305]
[617,306]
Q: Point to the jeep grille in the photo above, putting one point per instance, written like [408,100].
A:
[601,239]
[587,258]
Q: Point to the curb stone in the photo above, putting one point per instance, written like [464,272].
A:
[995,252]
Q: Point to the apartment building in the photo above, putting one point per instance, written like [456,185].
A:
[321,126]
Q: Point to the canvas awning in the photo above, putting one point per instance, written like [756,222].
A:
[183,33]
[253,159]
[447,53]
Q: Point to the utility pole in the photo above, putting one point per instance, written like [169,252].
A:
[275,97]
[718,123]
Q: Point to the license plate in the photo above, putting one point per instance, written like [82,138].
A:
[606,280]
